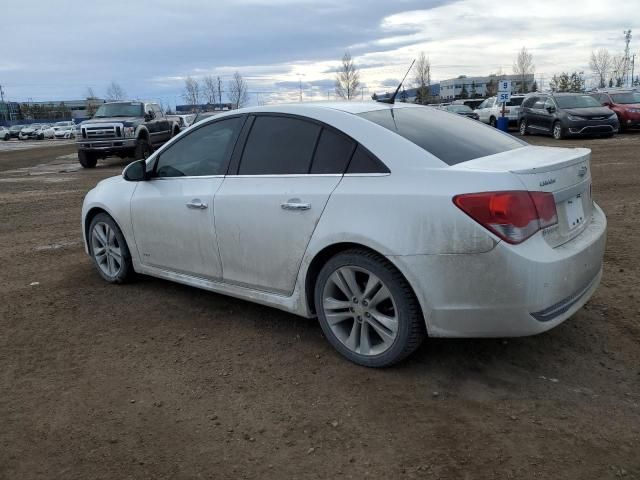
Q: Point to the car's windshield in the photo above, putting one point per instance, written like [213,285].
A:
[459,108]
[515,101]
[129,109]
[627,97]
[448,137]
[576,101]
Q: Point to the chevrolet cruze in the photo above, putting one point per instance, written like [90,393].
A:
[385,222]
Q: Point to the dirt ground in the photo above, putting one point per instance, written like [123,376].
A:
[154,380]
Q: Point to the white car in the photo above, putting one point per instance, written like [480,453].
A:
[47,131]
[491,109]
[384,222]
[65,132]
[4,133]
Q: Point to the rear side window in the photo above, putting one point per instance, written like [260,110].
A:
[279,146]
[450,138]
[363,162]
[332,153]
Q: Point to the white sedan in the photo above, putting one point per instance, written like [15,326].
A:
[387,223]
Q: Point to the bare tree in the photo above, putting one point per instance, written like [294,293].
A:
[347,78]
[191,91]
[422,79]
[115,92]
[210,89]
[618,69]
[523,67]
[600,64]
[238,91]
[88,93]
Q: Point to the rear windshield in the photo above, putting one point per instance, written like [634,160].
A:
[451,138]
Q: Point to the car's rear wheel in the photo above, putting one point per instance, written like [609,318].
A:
[367,309]
[87,159]
[557,131]
[523,127]
[109,250]
[493,122]
[7,137]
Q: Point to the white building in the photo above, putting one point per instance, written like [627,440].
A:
[454,87]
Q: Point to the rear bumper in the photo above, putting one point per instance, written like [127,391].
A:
[511,290]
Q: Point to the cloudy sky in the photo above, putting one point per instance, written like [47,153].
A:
[53,50]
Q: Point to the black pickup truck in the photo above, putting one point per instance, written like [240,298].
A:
[123,129]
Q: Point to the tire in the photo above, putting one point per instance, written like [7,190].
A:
[87,159]
[523,127]
[355,334]
[493,122]
[175,132]
[109,251]
[7,137]
[557,131]
[142,150]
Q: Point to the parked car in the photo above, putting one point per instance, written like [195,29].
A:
[5,134]
[29,131]
[65,132]
[625,103]
[47,131]
[566,114]
[383,221]
[491,109]
[66,123]
[123,129]
[472,103]
[183,121]
[463,110]
[15,130]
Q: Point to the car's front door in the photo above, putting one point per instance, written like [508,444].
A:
[267,211]
[172,213]
[536,113]
[548,114]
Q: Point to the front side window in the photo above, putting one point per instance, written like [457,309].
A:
[447,137]
[539,105]
[205,151]
[549,103]
[279,146]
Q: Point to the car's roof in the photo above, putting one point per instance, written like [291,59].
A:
[354,107]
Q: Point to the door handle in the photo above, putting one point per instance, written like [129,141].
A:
[295,204]
[196,204]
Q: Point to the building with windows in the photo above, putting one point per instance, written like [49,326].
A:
[476,87]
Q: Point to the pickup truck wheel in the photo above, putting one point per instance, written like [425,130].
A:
[87,159]
[143,149]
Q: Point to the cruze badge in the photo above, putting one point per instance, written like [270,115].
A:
[548,181]
[582,171]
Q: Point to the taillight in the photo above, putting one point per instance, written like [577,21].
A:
[513,215]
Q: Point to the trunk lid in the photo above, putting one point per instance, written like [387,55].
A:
[565,172]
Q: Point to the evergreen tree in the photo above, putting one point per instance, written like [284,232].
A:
[464,93]
[534,86]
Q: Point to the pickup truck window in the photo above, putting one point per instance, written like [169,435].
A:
[120,109]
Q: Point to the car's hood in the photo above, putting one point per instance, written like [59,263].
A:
[628,105]
[112,120]
[589,112]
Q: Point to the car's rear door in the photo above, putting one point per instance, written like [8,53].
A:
[270,203]
[172,213]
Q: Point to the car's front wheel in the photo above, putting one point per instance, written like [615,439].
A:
[367,309]
[523,127]
[558,131]
[109,250]
[87,159]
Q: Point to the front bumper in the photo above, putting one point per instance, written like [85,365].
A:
[511,290]
[592,127]
[111,145]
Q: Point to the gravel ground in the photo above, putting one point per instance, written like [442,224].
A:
[155,380]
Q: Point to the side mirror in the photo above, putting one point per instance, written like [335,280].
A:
[149,115]
[551,109]
[136,171]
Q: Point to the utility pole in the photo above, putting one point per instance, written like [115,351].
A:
[633,64]
[220,92]
[3,102]
[627,40]
[300,75]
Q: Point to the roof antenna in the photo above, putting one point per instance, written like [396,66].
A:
[392,99]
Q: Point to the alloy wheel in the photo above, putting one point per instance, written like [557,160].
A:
[523,127]
[557,131]
[106,250]
[360,310]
